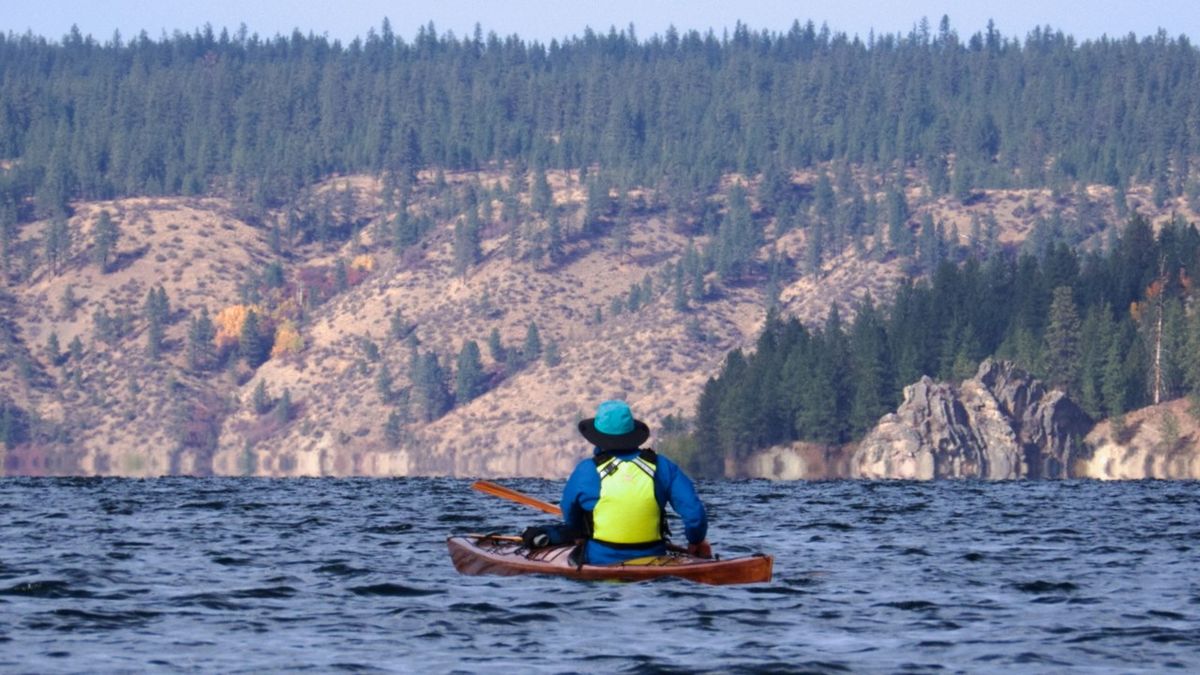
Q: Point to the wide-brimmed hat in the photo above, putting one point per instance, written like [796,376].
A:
[613,427]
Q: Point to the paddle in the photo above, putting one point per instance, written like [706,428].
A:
[514,496]
[495,537]
[510,494]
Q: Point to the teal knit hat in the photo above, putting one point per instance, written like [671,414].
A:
[614,428]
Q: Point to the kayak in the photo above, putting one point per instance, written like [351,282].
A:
[476,554]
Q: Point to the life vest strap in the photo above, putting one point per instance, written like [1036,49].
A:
[645,454]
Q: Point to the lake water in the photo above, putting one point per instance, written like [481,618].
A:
[252,575]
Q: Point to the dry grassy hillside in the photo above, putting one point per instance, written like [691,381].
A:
[111,409]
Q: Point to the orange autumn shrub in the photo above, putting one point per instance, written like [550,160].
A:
[287,340]
[229,323]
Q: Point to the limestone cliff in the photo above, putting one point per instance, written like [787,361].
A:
[1161,441]
[799,461]
[1001,424]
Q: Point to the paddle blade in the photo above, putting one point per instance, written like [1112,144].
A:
[497,490]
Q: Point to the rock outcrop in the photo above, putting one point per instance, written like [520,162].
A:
[1001,424]
[1161,441]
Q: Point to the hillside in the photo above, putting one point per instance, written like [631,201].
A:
[113,409]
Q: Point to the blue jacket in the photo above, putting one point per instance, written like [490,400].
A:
[671,486]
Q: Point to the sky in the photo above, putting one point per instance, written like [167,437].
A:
[542,21]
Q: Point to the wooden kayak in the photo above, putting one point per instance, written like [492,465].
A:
[476,554]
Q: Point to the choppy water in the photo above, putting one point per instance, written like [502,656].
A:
[248,575]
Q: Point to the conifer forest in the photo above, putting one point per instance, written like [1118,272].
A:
[1098,302]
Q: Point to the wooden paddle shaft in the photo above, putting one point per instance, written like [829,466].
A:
[519,497]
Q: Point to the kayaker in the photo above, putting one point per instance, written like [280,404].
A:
[617,498]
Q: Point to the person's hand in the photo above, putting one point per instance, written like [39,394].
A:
[535,537]
[700,549]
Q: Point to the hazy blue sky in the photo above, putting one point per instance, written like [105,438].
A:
[536,20]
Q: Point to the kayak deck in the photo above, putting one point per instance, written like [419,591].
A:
[508,556]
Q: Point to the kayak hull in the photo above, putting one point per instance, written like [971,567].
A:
[507,556]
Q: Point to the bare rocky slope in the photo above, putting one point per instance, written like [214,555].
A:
[111,409]
[1161,441]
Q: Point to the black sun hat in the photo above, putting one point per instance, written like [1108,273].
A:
[613,427]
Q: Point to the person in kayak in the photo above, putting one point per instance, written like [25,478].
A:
[617,498]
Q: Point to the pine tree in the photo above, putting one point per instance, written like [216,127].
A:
[406,230]
[466,247]
[551,356]
[693,268]
[252,346]
[899,237]
[597,206]
[8,236]
[939,179]
[540,196]
[162,304]
[370,350]
[738,237]
[814,251]
[824,199]
[1062,351]
[1115,382]
[622,226]
[6,426]
[104,327]
[104,240]
[1174,361]
[201,333]
[276,239]
[496,348]
[468,375]
[1096,333]
[75,349]
[57,243]
[398,326]
[260,400]
[555,252]
[68,302]
[430,389]
[962,181]
[533,344]
[510,215]
[634,301]
[157,310]
[14,424]
[341,276]
[871,362]
[154,340]
[931,246]
[775,267]
[711,460]
[273,276]
[1192,359]
[825,394]
[284,408]
[679,301]
[383,383]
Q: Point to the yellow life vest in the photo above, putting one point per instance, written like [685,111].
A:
[627,513]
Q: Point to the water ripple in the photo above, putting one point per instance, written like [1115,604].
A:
[253,575]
